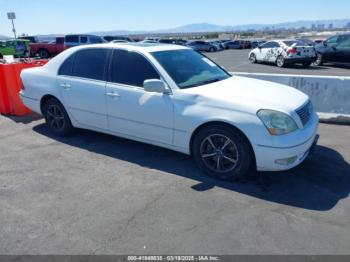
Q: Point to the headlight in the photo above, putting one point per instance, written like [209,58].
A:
[276,122]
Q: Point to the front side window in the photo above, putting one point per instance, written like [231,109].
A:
[188,68]
[130,68]
[345,42]
[90,63]
[333,40]
[270,45]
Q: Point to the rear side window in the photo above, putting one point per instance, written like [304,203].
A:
[90,63]
[83,39]
[72,39]
[67,66]
[130,68]
[95,40]
[270,45]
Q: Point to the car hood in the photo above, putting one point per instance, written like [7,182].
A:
[248,94]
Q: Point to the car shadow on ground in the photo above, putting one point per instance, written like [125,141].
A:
[27,119]
[318,184]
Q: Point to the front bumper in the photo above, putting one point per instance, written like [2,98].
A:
[280,157]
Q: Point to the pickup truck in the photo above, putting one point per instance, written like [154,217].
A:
[47,50]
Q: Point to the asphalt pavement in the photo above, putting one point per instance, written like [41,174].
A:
[237,61]
[97,194]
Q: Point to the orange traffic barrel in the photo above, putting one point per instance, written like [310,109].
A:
[11,84]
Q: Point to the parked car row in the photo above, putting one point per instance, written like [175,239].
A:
[298,51]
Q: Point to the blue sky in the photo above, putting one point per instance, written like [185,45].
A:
[78,16]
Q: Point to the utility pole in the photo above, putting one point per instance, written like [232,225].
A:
[12,16]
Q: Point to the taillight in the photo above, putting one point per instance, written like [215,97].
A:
[292,50]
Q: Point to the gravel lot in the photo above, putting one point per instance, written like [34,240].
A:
[98,194]
[237,61]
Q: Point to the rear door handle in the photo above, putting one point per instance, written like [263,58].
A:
[113,94]
[65,86]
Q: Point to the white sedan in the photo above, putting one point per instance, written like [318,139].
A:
[174,97]
[284,52]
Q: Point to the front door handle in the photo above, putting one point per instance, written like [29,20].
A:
[65,86]
[113,94]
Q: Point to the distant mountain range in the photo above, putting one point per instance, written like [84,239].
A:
[205,27]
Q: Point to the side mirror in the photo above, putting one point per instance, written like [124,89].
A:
[154,86]
[325,43]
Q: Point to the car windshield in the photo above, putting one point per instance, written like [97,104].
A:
[189,68]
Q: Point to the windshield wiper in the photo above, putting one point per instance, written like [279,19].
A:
[206,82]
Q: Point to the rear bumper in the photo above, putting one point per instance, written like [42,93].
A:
[31,103]
[300,60]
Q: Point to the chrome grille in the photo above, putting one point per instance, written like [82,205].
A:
[305,112]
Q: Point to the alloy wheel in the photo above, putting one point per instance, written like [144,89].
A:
[55,117]
[219,153]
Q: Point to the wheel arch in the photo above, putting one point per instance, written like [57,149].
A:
[44,99]
[220,123]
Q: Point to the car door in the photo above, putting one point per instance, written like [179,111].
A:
[262,52]
[343,50]
[272,52]
[329,51]
[131,110]
[81,80]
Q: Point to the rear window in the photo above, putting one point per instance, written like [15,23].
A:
[290,43]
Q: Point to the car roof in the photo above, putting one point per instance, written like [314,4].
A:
[143,47]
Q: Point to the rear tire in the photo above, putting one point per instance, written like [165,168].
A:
[222,152]
[57,119]
[280,62]
[212,50]
[43,53]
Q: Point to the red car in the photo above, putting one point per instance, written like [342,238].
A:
[47,50]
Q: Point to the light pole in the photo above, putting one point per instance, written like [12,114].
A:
[12,16]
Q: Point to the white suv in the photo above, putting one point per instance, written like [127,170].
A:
[284,52]
[172,96]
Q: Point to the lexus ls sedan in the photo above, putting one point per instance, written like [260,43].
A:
[174,97]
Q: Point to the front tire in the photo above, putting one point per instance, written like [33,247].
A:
[57,119]
[212,50]
[319,60]
[252,58]
[222,152]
